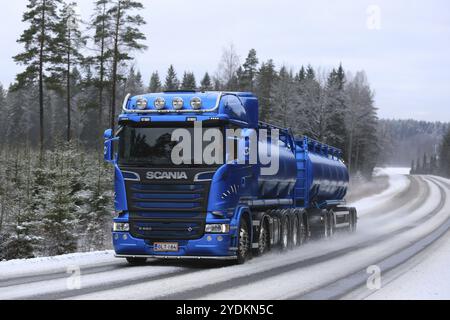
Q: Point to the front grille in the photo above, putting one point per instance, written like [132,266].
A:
[172,210]
[166,197]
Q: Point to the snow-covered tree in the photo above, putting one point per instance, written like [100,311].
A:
[189,82]
[155,83]
[206,84]
[172,83]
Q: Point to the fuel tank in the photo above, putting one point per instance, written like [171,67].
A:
[279,185]
[327,178]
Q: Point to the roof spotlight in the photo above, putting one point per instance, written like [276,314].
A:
[178,103]
[196,103]
[141,103]
[160,103]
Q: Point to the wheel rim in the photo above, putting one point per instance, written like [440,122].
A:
[263,240]
[302,232]
[331,224]
[285,234]
[243,242]
[325,227]
[295,233]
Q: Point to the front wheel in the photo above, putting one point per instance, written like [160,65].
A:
[244,245]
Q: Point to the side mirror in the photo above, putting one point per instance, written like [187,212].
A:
[108,151]
[108,134]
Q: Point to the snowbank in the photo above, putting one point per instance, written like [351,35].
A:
[53,264]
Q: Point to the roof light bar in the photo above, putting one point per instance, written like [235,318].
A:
[165,111]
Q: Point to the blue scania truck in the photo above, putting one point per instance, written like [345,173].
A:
[228,211]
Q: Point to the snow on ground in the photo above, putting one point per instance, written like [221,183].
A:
[397,183]
[26,267]
[429,279]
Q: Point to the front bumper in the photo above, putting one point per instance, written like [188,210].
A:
[210,246]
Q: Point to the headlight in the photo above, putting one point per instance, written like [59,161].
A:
[178,103]
[160,103]
[141,104]
[121,227]
[217,228]
[196,103]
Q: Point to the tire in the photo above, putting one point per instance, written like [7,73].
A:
[331,223]
[294,232]
[302,230]
[353,223]
[284,234]
[263,240]
[136,261]
[244,243]
[324,230]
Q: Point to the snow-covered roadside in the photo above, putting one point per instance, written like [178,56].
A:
[429,279]
[25,267]
[397,183]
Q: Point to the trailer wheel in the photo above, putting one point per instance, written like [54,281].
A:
[353,220]
[324,231]
[284,232]
[264,239]
[244,245]
[302,229]
[137,261]
[294,232]
[331,223]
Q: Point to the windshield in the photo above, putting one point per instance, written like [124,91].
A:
[153,146]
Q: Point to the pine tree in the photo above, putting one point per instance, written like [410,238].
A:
[301,76]
[189,83]
[444,156]
[284,95]
[172,83]
[265,82]
[102,24]
[206,84]
[70,43]
[133,83]
[425,164]
[126,38]
[3,112]
[40,50]
[59,197]
[155,83]
[250,71]
[362,124]
[335,109]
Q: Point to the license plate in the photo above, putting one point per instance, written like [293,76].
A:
[165,247]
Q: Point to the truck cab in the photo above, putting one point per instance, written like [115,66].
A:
[168,210]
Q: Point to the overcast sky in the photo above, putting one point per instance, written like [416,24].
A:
[403,45]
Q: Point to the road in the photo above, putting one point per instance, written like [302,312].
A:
[397,227]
